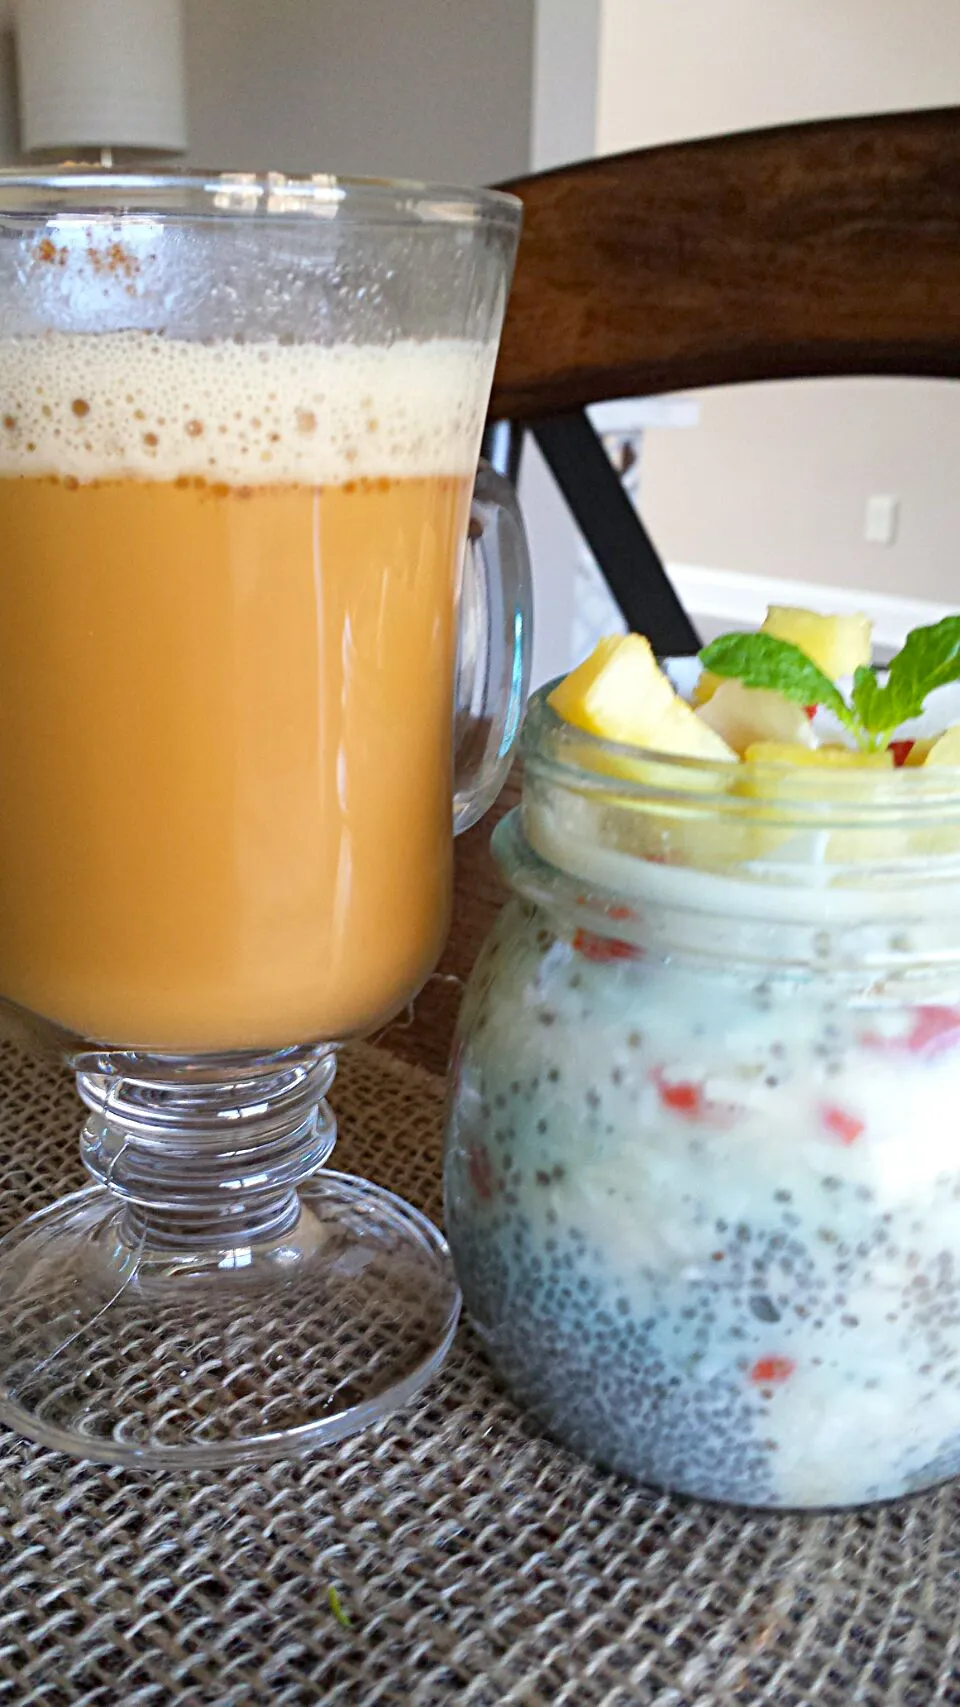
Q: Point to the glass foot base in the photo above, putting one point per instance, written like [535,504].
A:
[127,1353]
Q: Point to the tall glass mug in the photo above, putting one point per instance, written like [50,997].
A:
[239,427]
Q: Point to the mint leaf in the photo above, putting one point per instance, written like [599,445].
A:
[763,661]
[869,700]
[928,659]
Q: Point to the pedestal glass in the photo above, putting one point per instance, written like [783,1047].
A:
[239,427]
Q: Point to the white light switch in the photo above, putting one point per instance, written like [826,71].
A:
[880,519]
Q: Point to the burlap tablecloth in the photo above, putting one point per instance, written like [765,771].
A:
[478,1563]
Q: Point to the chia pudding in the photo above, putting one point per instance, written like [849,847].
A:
[703,1159]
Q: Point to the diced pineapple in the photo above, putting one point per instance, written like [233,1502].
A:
[945,749]
[742,716]
[616,691]
[575,688]
[942,752]
[784,776]
[621,694]
[791,754]
[838,645]
[705,688]
[680,731]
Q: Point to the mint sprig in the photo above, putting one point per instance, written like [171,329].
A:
[763,661]
[928,659]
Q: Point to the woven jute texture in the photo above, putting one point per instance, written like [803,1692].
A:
[478,1563]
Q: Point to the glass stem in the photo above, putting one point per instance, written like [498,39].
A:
[206,1152]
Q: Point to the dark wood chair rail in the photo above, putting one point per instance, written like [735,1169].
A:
[829,248]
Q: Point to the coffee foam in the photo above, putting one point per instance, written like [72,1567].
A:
[113,405]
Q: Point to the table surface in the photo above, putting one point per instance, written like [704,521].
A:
[479,1565]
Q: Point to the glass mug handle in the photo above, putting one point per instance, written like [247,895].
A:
[493,665]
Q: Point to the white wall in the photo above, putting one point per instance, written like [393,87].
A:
[671,69]
[776,477]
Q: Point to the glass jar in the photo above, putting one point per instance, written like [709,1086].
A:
[703,1156]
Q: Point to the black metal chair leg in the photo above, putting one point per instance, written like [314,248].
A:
[615,534]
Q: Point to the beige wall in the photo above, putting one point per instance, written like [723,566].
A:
[563,127]
[776,477]
[409,88]
[9,123]
[413,88]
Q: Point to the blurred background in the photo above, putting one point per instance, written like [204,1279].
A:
[750,493]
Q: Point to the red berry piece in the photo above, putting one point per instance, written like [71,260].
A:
[605,948]
[688,1099]
[770,1371]
[683,1097]
[933,1031]
[840,1123]
[480,1169]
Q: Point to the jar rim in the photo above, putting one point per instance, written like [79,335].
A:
[41,193]
[808,797]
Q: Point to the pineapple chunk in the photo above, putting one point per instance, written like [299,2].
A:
[743,716]
[945,749]
[621,694]
[610,691]
[791,754]
[836,644]
[706,686]
[942,751]
[681,731]
[781,776]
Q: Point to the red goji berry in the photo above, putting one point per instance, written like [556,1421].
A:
[840,1123]
[682,1096]
[604,948]
[934,1031]
[689,1099]
[767,1371]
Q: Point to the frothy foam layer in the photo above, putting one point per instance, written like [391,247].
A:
[89,407]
